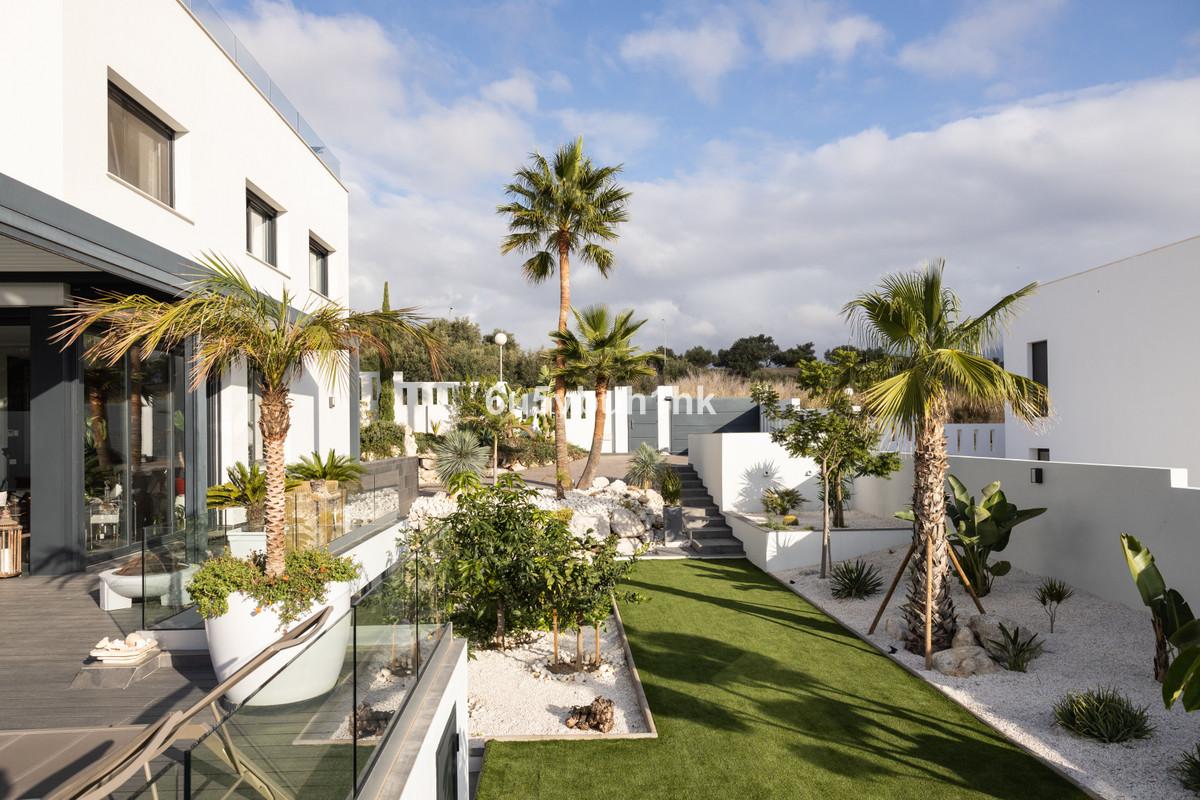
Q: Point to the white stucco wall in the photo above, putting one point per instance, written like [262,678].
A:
[56,59]
[422,779]
[737,467]
[776,551]
[1089,506]
[1121,346]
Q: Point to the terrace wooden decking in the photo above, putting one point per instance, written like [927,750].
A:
[47,626]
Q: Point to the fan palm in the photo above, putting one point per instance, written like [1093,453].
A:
[601,354]
[332,467]
[559,207]
[232,324]
[935,350]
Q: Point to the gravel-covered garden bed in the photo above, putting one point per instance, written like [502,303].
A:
[1096,643]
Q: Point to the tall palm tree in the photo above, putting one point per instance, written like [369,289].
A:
[558,208]
[935,350]
[603,355]
[233,323]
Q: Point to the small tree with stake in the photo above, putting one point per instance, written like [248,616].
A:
[840,438]
[589,586]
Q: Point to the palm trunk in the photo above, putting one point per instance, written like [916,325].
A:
[929,609]
[562,458]
[825,556]
[273,421]
[593,459]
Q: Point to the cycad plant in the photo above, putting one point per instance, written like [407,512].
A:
[560,207]
[934,350]
[645,467]
[332,467]
[234,324]
[600,355]
[459,453]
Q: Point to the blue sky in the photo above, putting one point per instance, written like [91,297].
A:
[783,154]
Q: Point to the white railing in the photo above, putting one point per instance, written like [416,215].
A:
[961,440]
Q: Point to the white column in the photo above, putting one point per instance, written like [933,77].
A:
[666,396]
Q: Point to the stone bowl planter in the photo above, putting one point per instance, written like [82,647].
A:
[119,591]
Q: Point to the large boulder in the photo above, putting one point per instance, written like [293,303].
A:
[600,482]
[986,628]
[586,523]
[626,524]
[962,662]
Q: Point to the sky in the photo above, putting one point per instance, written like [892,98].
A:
[782,155]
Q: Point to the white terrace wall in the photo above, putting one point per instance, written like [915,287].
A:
[425,405]
[737,467]
[1089,505]
[986,440]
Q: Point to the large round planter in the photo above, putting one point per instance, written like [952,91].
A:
[169,587]
[242,632]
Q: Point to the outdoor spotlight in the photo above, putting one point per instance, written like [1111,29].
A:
[1035,475]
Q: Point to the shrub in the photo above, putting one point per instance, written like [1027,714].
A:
[1014,651]
[672,487]
[644,467]
[856,580]
[780,501]
[1051,594]
[333,467]
[380,438]
[426,441]
[1188,770]
[1103,714]
[305,580]
[459,452]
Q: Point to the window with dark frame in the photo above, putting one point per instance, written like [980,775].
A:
[1038,367]
[260,228]
[318,267]
[140,147]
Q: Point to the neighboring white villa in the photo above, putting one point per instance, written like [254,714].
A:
[135,142]
[1116,345]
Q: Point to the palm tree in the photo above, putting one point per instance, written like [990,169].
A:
[935,350]
[232,324]
[558,208]
[603,355]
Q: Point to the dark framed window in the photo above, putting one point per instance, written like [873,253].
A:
[260,228]
[318,267]
[1039,366]
[1042,454]
[140,147]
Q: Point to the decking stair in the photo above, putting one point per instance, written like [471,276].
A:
[703,521]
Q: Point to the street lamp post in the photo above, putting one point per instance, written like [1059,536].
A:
[501,339]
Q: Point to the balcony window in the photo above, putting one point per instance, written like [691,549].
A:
[318,268]
[140,147]
[260,228]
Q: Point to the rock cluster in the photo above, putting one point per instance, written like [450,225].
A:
[598,716]
[369,722]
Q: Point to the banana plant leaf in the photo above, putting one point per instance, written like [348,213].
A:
[1149,580]
[1182,681]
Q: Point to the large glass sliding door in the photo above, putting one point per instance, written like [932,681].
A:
[14,425]
[105,458]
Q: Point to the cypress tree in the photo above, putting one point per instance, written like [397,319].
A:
[387,389]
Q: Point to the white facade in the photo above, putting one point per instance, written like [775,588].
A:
[1121,343]
[57,59]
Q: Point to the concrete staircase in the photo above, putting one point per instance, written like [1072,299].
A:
[703,522]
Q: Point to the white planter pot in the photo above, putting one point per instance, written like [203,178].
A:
[241,633]
[117,591]
[243,543]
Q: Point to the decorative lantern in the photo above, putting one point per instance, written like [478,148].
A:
[10,544]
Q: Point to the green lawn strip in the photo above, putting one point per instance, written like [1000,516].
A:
[757,694]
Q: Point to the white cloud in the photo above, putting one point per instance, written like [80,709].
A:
[518,92]
[610,135]
[700,55]
[980,42]
[791,30]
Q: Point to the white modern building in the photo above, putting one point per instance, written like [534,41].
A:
[136,137]
[1116,346]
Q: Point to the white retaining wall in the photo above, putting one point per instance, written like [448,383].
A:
[737,467]
[1090,505]
[961,440]
[776,551]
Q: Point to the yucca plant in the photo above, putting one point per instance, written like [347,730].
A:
[234,324]
[459,452]
[645,467]
[1103,714]
[854,579]
[333,467]
[1187,771]
[1014,651]
[1051,594]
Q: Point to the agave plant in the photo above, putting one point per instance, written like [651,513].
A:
[645,467]
[459,451]
[983,528]
[333,467]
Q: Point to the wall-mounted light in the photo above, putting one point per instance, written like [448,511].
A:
[332,401]
[1035,475]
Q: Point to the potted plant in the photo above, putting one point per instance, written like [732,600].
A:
[672,490]
[246,489]
[249,602]
[320,473]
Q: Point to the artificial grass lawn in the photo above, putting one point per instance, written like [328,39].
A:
[757,694]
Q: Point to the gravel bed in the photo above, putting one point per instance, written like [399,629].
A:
[512,693]
[1095,643]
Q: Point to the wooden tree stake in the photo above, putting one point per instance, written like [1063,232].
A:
[912,548]
[965,580]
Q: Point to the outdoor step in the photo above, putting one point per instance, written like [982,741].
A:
[715,532]
[698,492]
[704,521]
[691,483]
[703,509]
[718,547]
